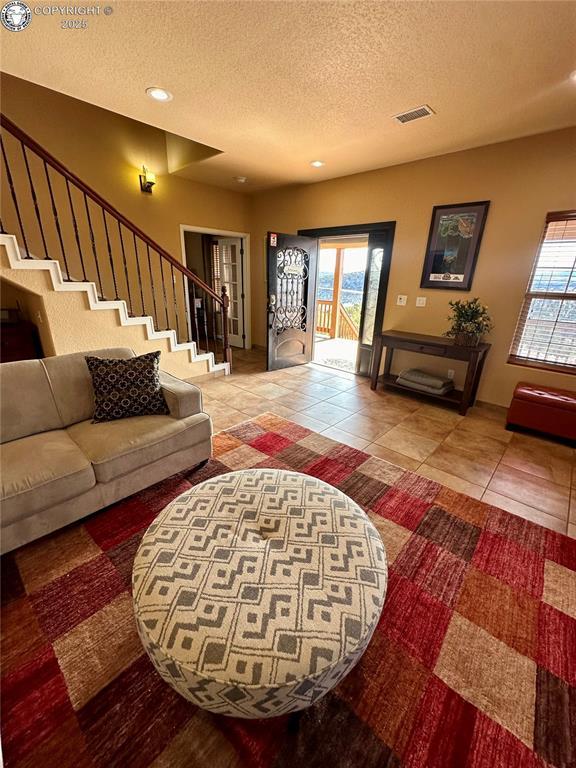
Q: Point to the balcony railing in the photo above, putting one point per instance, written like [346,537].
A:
[333,320]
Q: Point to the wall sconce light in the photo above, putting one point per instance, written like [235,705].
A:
[147,180]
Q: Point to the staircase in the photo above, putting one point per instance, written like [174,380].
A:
[53,223]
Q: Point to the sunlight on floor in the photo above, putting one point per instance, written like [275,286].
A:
[336,353]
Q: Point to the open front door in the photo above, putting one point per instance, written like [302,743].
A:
[375,290]
[291,293]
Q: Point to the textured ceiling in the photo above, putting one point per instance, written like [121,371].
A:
[274,85]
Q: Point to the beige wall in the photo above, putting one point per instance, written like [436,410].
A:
[107,151]
[523,179]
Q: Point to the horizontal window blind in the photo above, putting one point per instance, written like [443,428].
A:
[546,330]
[216,276]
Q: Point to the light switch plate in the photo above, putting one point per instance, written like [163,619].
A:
[420,301]
[402,300]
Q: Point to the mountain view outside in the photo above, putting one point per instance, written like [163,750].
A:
[352,286]
[336,341]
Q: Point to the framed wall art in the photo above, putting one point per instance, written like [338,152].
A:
[453,245]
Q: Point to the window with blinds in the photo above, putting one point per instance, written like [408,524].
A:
[546,330]
[216,276]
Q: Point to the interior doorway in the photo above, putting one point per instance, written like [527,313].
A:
[220,257]
[342,263]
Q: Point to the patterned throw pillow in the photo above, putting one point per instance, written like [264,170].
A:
[128,387]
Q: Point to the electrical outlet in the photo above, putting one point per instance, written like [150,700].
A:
[420,301]
[451,373]
[401,300]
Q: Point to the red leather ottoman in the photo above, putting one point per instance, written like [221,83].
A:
[544,409]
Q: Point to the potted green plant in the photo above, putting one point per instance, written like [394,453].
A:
[470,321]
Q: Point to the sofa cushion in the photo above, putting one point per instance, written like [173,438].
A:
[118,447]
[124,388]
[26,400]
[72,384]
[42,470]
[183,398]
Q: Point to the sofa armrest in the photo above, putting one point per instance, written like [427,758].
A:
[183,399]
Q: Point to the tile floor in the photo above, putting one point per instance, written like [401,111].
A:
[336,353]
[528,476]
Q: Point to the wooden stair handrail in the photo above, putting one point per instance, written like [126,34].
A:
[39,150]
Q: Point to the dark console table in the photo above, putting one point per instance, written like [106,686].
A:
[438,346]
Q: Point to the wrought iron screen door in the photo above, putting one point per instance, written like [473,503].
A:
[292,262]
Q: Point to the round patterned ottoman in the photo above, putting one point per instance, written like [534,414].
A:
[257,591]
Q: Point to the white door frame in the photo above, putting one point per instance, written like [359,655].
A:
[245,271]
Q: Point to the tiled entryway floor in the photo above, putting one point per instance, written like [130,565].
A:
[336,353]
[529,476]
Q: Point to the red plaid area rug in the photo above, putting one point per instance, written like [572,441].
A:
[473,664]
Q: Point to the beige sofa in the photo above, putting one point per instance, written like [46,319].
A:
[57,466]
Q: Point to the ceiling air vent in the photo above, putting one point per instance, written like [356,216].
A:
[414,114]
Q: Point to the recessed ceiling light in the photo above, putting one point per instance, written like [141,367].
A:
[573,76]
[159,94]
[240,179]
[317,163]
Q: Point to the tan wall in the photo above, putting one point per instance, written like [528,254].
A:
[107,152]
[523,179]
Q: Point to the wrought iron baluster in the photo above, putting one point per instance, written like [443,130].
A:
[139,275]
[175,302]
[15,199]
[156,323]
[192,286]
[116,297]
[186,301]
[76,233]
[214,328]
[164,291]
[205,320]
[35,201]
[56,221]
[125,269]
[93,241]
[227,352]
[196,333]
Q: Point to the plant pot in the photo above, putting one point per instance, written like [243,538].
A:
[466,339]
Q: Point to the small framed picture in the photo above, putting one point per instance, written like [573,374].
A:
[453,245]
